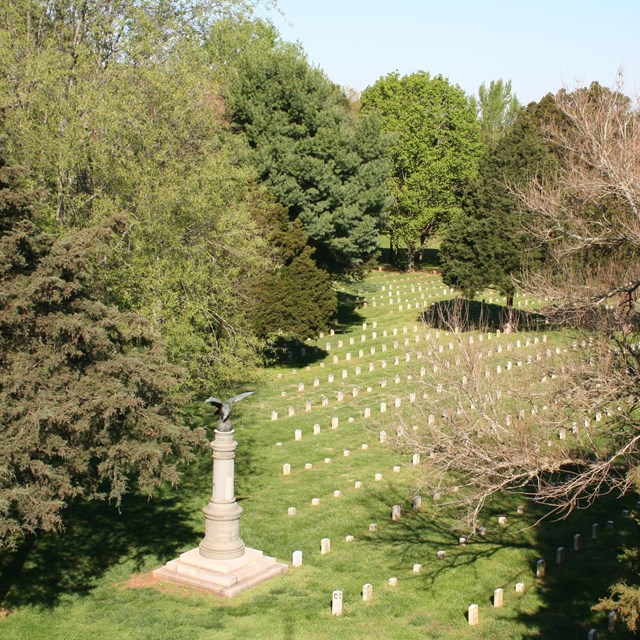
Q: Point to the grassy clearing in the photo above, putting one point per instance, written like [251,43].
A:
[79,584]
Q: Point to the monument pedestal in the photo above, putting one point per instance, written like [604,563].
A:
[224,577]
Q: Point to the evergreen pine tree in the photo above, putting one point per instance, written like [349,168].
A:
[86,393]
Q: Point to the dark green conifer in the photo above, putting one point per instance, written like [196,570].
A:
[86,393]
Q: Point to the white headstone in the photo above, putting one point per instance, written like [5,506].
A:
[297,558]
[336,603]
[325,546]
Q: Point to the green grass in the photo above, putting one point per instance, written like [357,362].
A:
[74,586]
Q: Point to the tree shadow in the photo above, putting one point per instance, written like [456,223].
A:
[348,305]
[97,537]
[570,589]
[292,352]
[470,315]
[567,590]
[429,536]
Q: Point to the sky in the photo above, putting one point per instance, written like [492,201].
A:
[540,45]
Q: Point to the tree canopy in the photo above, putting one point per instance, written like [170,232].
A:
[321,161]
[434,152]
[113,109]
[498,107]
[296,300]
[487,245]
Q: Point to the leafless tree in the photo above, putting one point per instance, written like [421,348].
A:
[564,428]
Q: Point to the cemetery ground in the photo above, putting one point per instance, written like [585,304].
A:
[321,415]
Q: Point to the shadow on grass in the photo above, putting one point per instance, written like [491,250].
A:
[430,530]
[567,591]
[97,536]
[293,352]
[470,315]
[348,305]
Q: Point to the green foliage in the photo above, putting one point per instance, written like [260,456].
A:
[498,108]
[297,300]
[434,154]
[487,244]
[625,601]
[87,398]
[112,109]
[322,162]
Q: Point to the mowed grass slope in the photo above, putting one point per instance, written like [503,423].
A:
[93,580]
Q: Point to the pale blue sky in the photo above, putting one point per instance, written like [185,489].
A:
[540,45]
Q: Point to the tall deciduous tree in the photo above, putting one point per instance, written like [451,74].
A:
[498,107]
[321,161]
[87,400]
[112,108]
[434,154]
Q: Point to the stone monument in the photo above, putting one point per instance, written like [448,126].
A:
[221,563]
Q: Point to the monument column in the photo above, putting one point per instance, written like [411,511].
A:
[221,563]
[222,515]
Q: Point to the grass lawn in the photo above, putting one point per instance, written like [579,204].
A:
[94,580]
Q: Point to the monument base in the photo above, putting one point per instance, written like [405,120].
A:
[224,577]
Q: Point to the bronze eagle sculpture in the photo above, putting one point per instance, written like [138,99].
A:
[224,409]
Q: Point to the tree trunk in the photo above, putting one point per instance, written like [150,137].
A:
[411,256]
[392,258]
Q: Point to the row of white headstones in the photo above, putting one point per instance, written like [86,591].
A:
[325,544]
[397,401]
